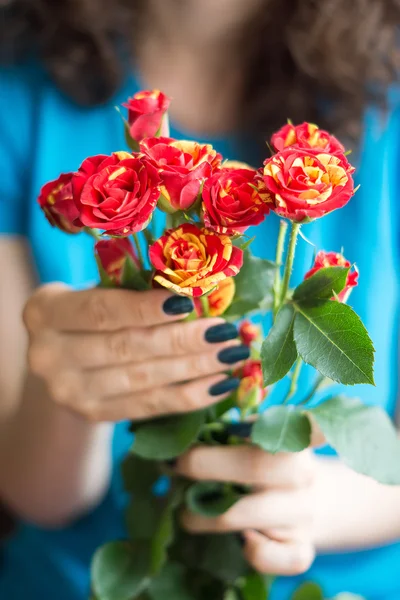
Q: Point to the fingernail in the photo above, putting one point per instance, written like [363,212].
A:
[242,430]
[229,356]
[221,333]
[178,305]
[222,387]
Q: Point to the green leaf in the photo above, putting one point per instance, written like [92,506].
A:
[281,429]
[212,498]
[308,591]
[133,278]
[255,587]
[363,436]
[278,351]
[331,337]
[253,286]
[143,515]
[170,584]
[168,437]
[138,474]
[322,285]
[120,571]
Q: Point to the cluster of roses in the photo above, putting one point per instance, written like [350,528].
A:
[211,201]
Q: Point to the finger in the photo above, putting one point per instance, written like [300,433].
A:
[137,377]
[248,465]
[278,558]
[137,345]
[174,399]
[268,510]
[57,307]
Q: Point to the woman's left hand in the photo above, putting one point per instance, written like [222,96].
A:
[276,519]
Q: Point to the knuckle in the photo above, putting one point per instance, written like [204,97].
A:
[190,399]
[119,345]
[302,559]
[41,356]
[32,314]
[139,377]
[140,310]
[202,364]
[97,311]
[179,341]
[192,464]
[65,388]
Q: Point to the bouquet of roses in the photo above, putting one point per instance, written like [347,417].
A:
[203,253]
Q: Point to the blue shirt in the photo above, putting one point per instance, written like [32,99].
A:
[42,134]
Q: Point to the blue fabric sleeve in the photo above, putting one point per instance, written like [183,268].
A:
[16,147]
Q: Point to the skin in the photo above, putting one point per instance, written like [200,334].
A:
[84,372]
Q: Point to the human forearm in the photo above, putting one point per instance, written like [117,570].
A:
[54,464]
[353,511]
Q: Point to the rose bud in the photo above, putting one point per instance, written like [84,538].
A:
[249,333]
[251,391]
[57,202]
[112,254]
[183,167]
[116,193]
[219,300]
[306,136]
[147,114]
[307,184]
[233,200]
[334,259]
[192,261]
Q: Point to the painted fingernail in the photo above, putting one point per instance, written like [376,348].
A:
[229,356]
[242,430]
[221,333]
[178,305]
[222,387]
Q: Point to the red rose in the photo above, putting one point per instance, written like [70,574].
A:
[249,333]
[251,391]
[231,201]
[307,184]
[147,114]
[334,259]
[57,202]
[116,193]
[183,167]
[306,136]
[112,254]
[192,261]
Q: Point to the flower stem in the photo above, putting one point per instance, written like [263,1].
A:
[289,262]
[138,249]
[205,305]
[94,233]
[319,381]
[278,260]
[293,384]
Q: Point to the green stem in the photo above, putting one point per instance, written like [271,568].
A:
[293,384]
[94,233]
[319,381]
[278,260]
[205,306]
[138,249]
[289,262]
[148,236]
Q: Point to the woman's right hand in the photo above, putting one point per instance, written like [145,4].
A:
[111,354]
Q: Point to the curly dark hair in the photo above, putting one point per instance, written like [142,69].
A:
[316,60]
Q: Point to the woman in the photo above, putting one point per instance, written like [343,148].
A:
[236,71]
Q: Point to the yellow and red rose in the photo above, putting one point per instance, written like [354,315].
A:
[116,193]
[57,203]
[192,261]
[335,259]
[147,114]
[112,254]
[183,166]
[218,301]
[249,333]
[307,184]
[306,135]
[251,391]
[233,200]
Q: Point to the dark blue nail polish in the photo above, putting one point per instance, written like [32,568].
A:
[178,305]
[221,333]
[229,356]
[225,386]
[242,430]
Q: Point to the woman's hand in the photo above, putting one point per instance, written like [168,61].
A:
[276,519]
[112,355]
